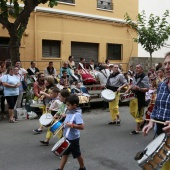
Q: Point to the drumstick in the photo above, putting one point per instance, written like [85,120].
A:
[156,121]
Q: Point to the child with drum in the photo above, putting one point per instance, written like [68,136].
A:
[72,124]
[60,115]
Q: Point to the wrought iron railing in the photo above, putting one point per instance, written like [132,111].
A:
[103,4]
[68,1]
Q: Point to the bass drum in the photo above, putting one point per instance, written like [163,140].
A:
[108,95]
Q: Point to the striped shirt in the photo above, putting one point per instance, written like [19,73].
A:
[161,109]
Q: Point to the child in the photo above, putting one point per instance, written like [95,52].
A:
[60,114]
[55,104]
[74,135]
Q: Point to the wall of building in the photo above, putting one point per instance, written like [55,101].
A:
[51,25]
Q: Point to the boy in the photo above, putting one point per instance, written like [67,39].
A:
[74,135]
[61,113]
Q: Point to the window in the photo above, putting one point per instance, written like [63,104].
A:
[51,48]
[105,4]
[114,51]
[67,1]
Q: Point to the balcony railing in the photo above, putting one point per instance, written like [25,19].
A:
[68,1]
[102,4]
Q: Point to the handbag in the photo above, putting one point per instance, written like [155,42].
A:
[1,87]
[24,85]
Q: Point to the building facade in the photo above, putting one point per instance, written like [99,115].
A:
[93,29]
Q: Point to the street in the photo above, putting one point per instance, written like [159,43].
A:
[104,147]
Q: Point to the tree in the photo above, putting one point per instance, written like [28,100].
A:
[11,8]
[152,33]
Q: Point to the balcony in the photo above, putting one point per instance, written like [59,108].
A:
[67,1]
[101,4]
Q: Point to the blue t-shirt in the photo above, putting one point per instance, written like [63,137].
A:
[8,91]
[74,133]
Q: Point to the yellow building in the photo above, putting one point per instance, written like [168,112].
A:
[93,29]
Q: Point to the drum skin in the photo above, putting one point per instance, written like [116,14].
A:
[108,95]
[157,153]
[46,119]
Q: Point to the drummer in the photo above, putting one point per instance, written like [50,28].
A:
[161,111]
[140,86]
[60,115]
[115,82]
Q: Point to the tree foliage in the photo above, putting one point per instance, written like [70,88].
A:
[152,33]
[11,8]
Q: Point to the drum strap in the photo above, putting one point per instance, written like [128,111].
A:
[68,130]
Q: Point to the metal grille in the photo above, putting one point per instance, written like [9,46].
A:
[51,48]
[105,4]
[89,51]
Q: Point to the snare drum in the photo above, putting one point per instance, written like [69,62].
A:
[61,146]
[127,97]
[108,95]
[56,126]
[156,153]
[46,119]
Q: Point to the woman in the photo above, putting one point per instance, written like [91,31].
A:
[71,63]
[160,75]
[86,76]
[2,98]
[11,85]
[49,83]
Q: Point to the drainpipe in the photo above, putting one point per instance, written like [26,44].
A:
[35,34]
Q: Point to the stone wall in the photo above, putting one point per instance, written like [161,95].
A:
[145,61]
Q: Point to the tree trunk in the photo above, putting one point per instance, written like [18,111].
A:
[14,45]
[150,60]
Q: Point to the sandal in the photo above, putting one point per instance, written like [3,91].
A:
[12,121]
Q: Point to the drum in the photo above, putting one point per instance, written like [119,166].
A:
[46,119]
[108,95]
[55,127]
[156,153]
[61,146]
[127,97]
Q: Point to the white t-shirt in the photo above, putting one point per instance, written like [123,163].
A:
[12,80]
[103,75]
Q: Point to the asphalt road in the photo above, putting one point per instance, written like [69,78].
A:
[104,147]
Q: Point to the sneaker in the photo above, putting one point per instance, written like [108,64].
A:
[37,131]
[82,168]
[134,132]
[44,143]
[112,123]
[118,122]
[12,121]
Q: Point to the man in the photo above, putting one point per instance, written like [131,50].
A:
[33,71]
[130,71]
[116,82]
[161,111]
[22,71]
[102,76]
[140,85]
[50,70]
